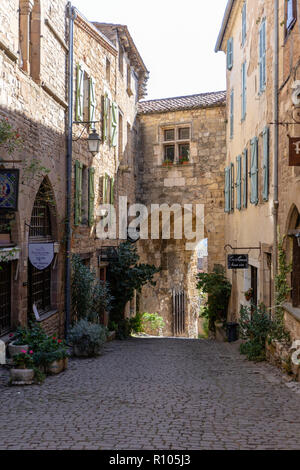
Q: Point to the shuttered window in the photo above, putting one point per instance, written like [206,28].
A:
[245,179]
[114,125]
[262,56]
[254,171]
[244,84]
[78,192]
[91,195]
[92,102]
[79,94]
[290,14]
[230,53]
[106,107]
[227,189]
[266,176]
[244,24]
[239,183]
[231,114]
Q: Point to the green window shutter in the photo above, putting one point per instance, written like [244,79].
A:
[105,117]
[245,178]
[105,188]
[227,189]
[231,114]
[254,171]
[244,23]
[92,101]
[244,102]
[79,94]
[91,195]
[266,164]
[78,192]
[232,187]
[114,125]
[262,56]
[230,53]
[112,191]
[239,183]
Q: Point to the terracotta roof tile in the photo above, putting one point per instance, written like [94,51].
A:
[164,105]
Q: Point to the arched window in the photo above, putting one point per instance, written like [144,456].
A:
[39,282]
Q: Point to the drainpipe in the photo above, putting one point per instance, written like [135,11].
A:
[276,139]
[71,15]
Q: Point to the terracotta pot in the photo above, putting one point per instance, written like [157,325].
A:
[21,376]
[66,362]
[14,349]
[56,367]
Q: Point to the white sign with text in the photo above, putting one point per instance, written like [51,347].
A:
[41,255]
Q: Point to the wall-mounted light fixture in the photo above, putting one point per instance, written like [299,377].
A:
[298,238]
[93,140]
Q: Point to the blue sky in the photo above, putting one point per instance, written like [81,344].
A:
[176,40]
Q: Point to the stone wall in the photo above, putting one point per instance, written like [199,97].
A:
[40,118]
[200,181]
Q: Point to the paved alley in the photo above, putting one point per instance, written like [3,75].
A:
[155,394]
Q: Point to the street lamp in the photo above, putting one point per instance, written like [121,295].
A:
[94,142]
[298,238]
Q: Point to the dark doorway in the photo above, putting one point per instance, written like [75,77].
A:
[296,274]
[254,285]
[5,298]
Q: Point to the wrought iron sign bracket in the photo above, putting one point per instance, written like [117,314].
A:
[242,248]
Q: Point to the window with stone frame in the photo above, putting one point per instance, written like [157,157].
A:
[39,282]
[290,15]
[30,37]
[176,143]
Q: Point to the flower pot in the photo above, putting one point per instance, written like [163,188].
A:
[21,376]
[14,349]
[56,367]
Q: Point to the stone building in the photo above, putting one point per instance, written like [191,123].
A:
[261,190]
[246,37]
[181,162]
[289,172]
[33,50]
[109,79]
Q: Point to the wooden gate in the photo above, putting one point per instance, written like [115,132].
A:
[178,312]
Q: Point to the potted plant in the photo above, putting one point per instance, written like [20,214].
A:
[183,160]
[52,356]
[19,342]
[87,339]
[22,372]
[167,162]
[249,294]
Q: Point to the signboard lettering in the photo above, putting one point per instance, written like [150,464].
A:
[41,255]
[294,153]
[238,261]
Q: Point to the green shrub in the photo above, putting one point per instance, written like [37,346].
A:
[218,289]
[87,338]
[152,322]
[90,297]
[255,326]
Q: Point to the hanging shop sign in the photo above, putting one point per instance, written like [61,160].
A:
[9,187]
[41,255]
[238,261]
[294,153]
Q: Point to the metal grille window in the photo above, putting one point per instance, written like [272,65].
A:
[39,282]
[5,297]
[40,224]
[40,288]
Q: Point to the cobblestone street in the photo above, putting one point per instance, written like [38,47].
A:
[155,394]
